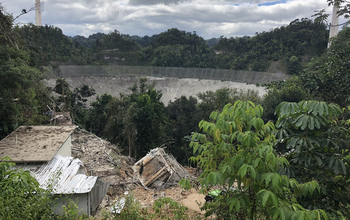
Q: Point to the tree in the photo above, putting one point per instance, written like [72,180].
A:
[329,76]
[181,49]
[65,98]
[78,102]
[22,98]
[20,194]
[130,128]
[294,66]
[315,142]
[214,101]
[291,90]
[98,115]
[135,121]
[149,117]
[236,150]
[183,119]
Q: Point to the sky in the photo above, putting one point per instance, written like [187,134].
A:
[208,18]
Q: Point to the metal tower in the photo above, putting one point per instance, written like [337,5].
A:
[37,13]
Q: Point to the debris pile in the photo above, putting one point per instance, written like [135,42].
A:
[103,159]
[157,171]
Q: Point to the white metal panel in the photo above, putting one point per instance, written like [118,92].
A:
[61,174]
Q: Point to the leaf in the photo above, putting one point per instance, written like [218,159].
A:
[311,123]
[265,198]
[185,183]
[257,123]
[267,177]
[298,121]
[266,195]
[243,170]
[305,120]
[322,108]
[252,172]
[287,108]
[318,160]
[276,179]
[238,205]
[317,123]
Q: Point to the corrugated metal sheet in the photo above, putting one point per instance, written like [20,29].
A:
[65,175]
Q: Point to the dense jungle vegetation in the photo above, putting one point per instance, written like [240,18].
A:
[292,46]
[290,148]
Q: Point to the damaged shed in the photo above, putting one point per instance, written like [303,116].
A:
[45,151]
[158,169]
[67,177]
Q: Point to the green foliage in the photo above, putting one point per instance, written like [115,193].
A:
[214,101]
[166,208]
[315,142]
[74,101]
[134,121]
[328,77]
[47,43]
[183,120]
[290,90]
[114,40]
[6,24]
[71,211]
[22,97]
[98,115]
[20,194]
[177,48]
[131,211]
[236,149]
[300,39]
[163,208]
[115,48]
[294,66]
[79,109]
[88,42]
[184,114]
[149,117]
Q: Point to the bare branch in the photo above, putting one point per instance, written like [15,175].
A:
[24,11]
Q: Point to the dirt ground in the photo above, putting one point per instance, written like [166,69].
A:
[191,198]
[103,159]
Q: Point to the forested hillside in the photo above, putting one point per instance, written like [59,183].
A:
[22,94]
[293,45]
[285,155]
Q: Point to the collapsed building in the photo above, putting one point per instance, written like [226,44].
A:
[158,170]
[45,151]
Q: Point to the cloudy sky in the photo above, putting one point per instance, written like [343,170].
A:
[209,18]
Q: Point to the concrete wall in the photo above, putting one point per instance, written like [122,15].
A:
[66,148]
[82,200]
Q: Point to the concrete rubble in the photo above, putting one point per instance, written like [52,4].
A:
[103,159]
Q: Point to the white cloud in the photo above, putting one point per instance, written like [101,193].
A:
[155,2]
[209,18]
